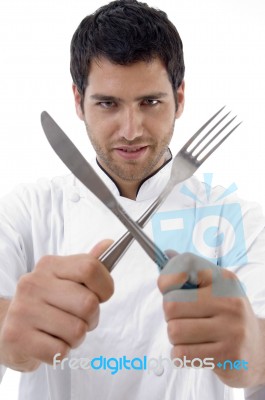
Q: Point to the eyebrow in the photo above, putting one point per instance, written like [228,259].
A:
[103,97]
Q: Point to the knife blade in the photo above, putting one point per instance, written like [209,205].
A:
[79,166]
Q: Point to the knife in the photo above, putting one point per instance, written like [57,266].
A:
[79,166]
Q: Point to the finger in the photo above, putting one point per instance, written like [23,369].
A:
[201,351]
[180,295]
[171,253]
[192,331]
[201,273]
[227,285]
[101,247]
[82,268]
[72,298]
[93,274]
[44,347]
[66,295]
[192,303]
[64,326]
[48,319]
[103,291]
[187,267]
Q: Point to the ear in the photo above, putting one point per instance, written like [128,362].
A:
[180,99]
[78,107]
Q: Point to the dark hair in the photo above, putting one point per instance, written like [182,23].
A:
[126,31]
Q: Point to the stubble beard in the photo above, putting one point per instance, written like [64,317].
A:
[131,171]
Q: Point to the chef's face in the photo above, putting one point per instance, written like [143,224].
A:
[129,113]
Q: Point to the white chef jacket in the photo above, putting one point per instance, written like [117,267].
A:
[60,216]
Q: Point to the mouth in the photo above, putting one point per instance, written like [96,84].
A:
[131,152]
[131,149]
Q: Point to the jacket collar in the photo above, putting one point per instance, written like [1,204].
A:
[150,187]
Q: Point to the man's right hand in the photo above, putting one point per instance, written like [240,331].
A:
[53,308]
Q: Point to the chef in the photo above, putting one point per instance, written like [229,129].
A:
[59,302]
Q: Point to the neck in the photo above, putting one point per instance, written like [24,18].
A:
[129,189]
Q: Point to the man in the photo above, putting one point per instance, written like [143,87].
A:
[128,69]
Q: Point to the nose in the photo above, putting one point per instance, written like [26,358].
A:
[131,124]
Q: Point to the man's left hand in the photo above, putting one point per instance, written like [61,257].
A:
[215,320]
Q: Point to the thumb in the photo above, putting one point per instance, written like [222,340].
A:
[171,253]
[101,247]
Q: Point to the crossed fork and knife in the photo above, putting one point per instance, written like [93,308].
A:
[190,157]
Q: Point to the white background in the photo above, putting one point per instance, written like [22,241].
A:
[224,42]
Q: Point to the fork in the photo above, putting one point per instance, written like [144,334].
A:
[185,163]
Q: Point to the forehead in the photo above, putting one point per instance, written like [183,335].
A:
[107,77]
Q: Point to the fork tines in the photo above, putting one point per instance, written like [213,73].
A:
[199,148]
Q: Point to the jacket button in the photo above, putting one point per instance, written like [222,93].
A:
[75,197]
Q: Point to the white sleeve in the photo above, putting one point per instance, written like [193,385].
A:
[16,248]
[251,271]
[2,372]
[15,240]
[253,274]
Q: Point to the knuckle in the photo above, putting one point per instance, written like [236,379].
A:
[79,331]
[63,349]
[31,366]
[111,287]
[10,334]
[26,284]
[93,323]
[169,309]
[237,306]
[90,304]
[181,351]
[45,261]
[88,267]
[161,281]
[109,291]
[173,331]
[228,274]
[240,334]
[18,311]
[187,259]
[14,325]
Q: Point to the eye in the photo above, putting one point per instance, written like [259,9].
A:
[150,102]
[106,104]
